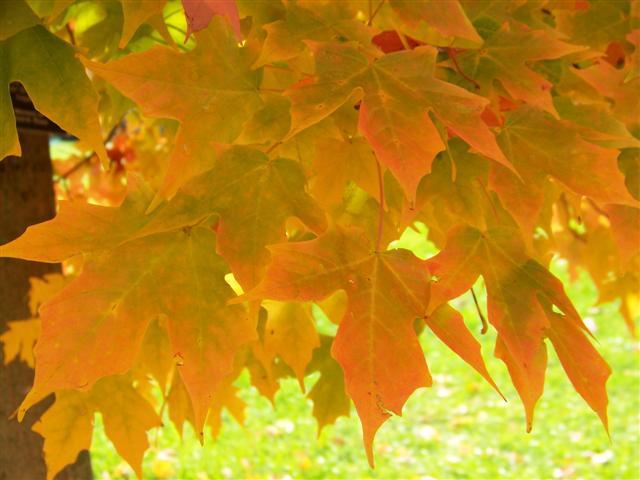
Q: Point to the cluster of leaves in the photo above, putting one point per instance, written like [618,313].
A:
[279,150]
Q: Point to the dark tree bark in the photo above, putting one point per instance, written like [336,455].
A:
[26,197]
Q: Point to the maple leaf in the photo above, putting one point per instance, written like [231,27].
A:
[64,83]
[341,105]
[611,84]
[254,196]
[118,313]
[453,193]
[336,163]
[450,22]
[520,292]
[504,57]
[67,426]
[286,38]
[328,394]
[448,325]
[287,324]
[211,90]
[596,123]
[591,170]
[84,228]
[596,25]
[376,344]
[18,341]
[225,396]
[398,92]
[137,12]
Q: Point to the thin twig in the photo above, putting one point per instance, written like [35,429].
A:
[77,166]
[90,156]
[272,148]
[72,37]
[381,211]
[452,55]
[485,325]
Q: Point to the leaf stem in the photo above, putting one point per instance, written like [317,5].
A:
[77,166]
[273,147]
[485,325]
[595,206]
[452,55]
[381,210]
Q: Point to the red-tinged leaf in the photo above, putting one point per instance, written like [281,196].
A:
[529,381]
[389,41]
[386,292]
[200,12]
[612,84]
[205,334]
[586,369]
[448,325]
[596,123]
[400,91]
[517,290]
[402,139]
[101,317]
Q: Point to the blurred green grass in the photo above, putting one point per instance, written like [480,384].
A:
[459,428]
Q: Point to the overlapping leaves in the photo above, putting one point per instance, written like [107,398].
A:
[303,148]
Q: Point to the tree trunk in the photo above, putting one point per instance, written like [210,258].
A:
[26,197]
